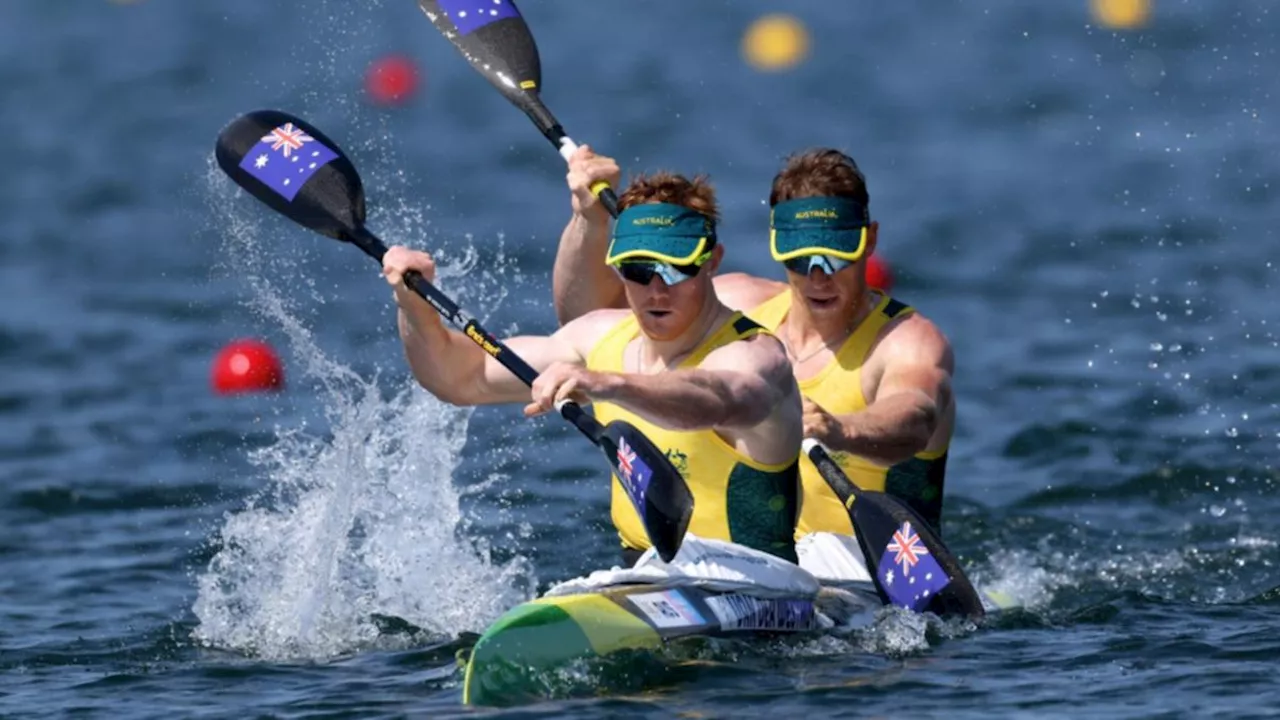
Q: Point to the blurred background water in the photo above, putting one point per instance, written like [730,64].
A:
[1086,212]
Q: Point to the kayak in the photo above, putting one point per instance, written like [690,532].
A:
[512,660]
[515,656]
[615,614]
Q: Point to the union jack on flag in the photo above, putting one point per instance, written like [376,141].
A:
[287,138]
[286,158]
[906,548]
[626,458]
[634,474]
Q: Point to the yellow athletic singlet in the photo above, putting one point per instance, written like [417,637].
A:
[735,498]
[838,389]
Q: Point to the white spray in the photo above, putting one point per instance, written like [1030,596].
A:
[356,520]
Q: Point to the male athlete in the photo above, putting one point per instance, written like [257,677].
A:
[702,381]
[875,374]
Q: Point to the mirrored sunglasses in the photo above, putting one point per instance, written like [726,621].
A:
[805,264]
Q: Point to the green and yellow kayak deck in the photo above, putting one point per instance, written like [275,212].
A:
[543,635]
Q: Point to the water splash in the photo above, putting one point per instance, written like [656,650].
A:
[1015,580]
[358,520]
[361,523]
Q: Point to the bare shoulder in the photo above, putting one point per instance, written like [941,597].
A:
[585,331]
[761,353]
[741,291]
[916,339]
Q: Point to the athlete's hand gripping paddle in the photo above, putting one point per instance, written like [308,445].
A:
[298,172]
[495,39]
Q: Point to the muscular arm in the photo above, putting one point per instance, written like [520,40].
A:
[738,386]
[581,282]
[911,399]
[458,371]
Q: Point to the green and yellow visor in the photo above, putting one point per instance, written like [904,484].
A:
[660,231]
[834,226]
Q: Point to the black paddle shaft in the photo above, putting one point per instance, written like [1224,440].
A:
[362,238]
[295,169]
[500,47]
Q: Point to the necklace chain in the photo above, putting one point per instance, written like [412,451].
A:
[796,360]
[848,330]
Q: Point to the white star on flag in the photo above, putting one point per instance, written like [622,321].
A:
[261,162]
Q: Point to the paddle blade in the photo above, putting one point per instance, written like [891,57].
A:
[657,490]
[911,566]
[291,166]
[494,38]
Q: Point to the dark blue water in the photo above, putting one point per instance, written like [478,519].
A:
[1088,215]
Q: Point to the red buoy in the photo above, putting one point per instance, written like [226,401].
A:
[246,366]
[879,275]
[391,80]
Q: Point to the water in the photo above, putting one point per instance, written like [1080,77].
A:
[1086,214]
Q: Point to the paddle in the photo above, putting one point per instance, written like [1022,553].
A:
[297,171]
[498,43]
[494,38]
[907,560]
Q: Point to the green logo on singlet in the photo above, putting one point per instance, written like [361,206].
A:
[680,461]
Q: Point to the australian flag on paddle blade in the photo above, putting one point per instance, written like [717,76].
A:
[471,15]
[910,575]
[634,474]
[286,159]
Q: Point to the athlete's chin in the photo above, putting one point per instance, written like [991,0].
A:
[661,324]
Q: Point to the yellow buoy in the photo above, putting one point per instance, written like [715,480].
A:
[775,42]
[1121,14]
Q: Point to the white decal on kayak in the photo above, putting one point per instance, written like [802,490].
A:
[667,609]
[743,612]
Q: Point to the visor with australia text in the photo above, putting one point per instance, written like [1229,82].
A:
[661,231]
[819,225]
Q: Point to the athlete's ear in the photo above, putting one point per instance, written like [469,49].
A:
[713,263]
[872,231]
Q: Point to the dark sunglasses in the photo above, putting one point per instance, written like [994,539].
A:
[642,272]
